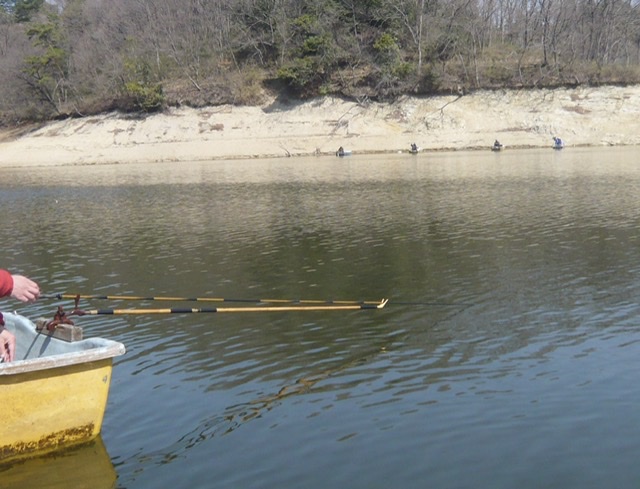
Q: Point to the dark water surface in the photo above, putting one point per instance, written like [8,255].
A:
[507,357]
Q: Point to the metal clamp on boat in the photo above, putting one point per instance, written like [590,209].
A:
[60,327]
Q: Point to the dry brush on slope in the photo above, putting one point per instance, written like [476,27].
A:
[78,57]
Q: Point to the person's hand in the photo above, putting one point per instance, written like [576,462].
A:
[24,289]
[7,345]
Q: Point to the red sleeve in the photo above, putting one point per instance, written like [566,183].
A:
[6,283]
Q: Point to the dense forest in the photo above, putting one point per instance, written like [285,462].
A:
[64,58]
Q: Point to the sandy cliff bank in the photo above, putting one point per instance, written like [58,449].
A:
[582,116]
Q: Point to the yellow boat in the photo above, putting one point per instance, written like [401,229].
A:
[54,393]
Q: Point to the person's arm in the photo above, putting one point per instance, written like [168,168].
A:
[22,289]
[18,287]
[7,343]
[6,283]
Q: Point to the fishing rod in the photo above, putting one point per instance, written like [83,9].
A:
[204,299]
[185,310]
[240,300]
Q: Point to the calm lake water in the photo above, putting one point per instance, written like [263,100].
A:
[508,355]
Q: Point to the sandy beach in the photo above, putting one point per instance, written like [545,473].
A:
[519,119]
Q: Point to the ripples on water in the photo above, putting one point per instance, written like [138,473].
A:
[506,356]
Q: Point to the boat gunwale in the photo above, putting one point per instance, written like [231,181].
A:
[103,349]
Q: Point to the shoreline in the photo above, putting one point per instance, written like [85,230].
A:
[582,117]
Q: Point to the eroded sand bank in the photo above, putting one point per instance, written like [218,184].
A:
[581,116]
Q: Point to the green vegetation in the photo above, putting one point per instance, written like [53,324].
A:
[62,58]
[139,91]
[46,72]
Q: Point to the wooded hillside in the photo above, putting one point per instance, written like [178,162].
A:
[63,58]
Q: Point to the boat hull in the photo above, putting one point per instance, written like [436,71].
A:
[55,394]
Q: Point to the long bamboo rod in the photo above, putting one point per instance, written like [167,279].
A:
[355,307]
[206,299]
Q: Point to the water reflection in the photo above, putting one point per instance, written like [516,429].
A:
[83,467]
